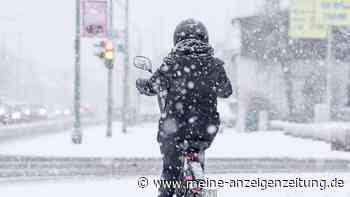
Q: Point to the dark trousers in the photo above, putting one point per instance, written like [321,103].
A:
[172,164]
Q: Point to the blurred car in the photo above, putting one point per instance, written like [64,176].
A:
[4,114]
[130,114]
[15,114]
[87,110]
[20,113]
[59,111]
[36,112]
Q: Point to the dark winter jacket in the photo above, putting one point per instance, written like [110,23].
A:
[190,80]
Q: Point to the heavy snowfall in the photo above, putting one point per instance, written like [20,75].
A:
[99,97]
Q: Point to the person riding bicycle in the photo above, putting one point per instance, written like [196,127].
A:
[189,81]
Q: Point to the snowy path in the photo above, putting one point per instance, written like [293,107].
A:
[128,187]
[141,142]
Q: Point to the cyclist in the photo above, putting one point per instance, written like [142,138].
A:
[189,81]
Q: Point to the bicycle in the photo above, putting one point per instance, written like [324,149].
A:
[193,173]
[193,156]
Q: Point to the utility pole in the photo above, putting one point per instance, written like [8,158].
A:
[138,97]
[328,71]
[110,74]
[110,103]
[77,134]
[126,70]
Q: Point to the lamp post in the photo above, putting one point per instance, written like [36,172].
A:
[77,134]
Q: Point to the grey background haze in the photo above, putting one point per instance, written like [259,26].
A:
[42,32]
[48,25]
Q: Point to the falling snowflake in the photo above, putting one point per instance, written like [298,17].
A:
[212,129]
[190,85]
[192,119]
[165,68]
[169,126]
[163,115]
[179,106]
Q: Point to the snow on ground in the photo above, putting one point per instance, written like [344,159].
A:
[129,187]
[141,142]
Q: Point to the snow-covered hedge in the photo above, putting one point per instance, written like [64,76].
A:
[331,132]
[40,128]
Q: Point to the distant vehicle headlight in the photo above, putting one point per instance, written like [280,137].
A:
[58,112]
[66,112]
[2,111]
[16,115]
[42,112]
[27,112]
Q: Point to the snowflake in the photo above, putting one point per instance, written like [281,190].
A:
[179,106]
[211,129]
[192,119]
[165,68]
[190,85]
[169,126]
[163,115]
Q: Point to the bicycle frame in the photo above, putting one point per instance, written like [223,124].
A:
[192,171]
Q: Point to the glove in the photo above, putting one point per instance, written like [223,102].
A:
[143,86]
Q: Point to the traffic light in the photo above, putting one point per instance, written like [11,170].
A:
[105,50]
[108,50]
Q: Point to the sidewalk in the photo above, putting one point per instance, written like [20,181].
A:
[336,132]
[141,142]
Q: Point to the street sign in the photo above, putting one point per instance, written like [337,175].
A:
[333,12]
[94,18]
[303,20]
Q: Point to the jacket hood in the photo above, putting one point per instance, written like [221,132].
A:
[191,29]
[194,48]
[190,50]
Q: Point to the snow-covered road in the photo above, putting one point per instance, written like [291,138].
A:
[141,142]
[129,187]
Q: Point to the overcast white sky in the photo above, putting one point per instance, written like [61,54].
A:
[47,26]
